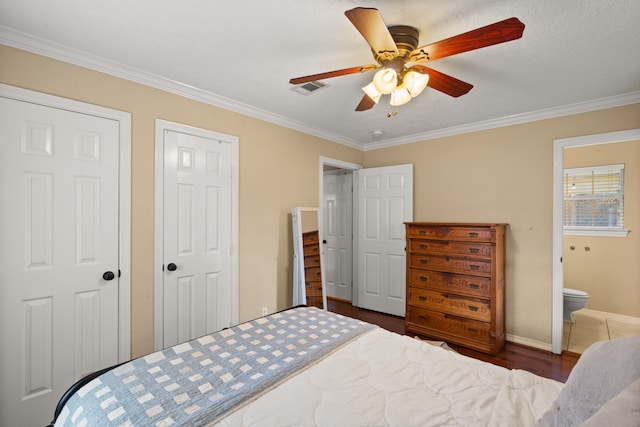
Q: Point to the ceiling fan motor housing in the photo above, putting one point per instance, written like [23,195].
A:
[406,39]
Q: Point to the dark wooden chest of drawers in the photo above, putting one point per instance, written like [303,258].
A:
[455,283]
[312,272]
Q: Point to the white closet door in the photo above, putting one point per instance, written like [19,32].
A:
[58,254]
[197,236]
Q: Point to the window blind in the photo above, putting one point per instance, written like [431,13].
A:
[594,197]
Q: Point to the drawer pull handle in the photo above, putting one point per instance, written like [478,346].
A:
[422,298]
[474,330]
[474,250]
[473,234]
[422,317]
[423,279]
[423,261]
[474,286]
[473,308]
[445,295]
[422,231]
[474,267]
[423,246]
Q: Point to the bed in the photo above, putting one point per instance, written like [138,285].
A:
[306,366]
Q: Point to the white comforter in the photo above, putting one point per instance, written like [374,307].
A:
[383,378]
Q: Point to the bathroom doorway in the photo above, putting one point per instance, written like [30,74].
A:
[601,319]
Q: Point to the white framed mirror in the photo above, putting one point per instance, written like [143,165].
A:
[307,268]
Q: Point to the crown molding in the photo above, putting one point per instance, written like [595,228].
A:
[548,113]
[27,42]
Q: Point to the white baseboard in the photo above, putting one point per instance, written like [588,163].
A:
[529,342]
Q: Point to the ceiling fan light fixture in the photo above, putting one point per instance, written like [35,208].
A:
[372,92]
[415,82]
[400,96]
[385,80]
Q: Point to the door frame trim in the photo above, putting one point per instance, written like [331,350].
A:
[124,193]
[558,167]
[158,292]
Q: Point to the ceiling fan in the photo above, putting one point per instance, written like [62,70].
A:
[401,74]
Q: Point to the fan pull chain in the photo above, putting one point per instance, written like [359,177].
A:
[389,112]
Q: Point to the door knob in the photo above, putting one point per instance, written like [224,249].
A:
[108,275]
[172,267]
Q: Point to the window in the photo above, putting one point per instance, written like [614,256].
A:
[594,201]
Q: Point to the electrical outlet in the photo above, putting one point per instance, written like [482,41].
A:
[264,311]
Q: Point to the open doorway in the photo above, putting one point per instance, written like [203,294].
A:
[382,203]
[558,240]
[336,228]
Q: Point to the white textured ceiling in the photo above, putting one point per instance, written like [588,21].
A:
[241,54]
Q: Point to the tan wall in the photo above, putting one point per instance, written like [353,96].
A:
[609,272]
[504,175]
[278,170]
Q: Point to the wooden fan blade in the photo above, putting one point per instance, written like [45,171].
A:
[500,32]
[336,73]
[366,103]
[444,82]
[369,22]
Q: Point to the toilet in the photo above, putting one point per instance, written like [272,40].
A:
[572,300]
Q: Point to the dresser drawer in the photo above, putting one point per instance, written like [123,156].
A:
[312,274]
[447,282]
[473,308]
[312,261]
[450,324]
[478,234]
[452,264]
[310,237]
[315,302]
[452,247]
[309,250]
[313,289]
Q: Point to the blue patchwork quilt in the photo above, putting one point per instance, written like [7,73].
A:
[198,382]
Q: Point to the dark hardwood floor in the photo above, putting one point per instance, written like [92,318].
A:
[512,356]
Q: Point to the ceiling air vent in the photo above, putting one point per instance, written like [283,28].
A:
[309,87]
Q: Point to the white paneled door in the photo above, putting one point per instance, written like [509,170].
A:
[338,233]
[58,254]
[197,224]
[385,202]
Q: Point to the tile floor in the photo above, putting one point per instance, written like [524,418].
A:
[590,326]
